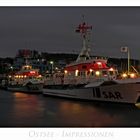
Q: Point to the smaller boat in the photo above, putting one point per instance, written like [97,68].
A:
[26,80]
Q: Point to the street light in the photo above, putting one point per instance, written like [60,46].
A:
[51,62]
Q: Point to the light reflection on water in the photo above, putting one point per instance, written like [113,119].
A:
[21,109]
[25,107]
[87,115]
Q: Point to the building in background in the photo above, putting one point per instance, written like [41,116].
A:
[31,57]
[50,62]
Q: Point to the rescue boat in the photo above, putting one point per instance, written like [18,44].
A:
[91,78]
[26,80]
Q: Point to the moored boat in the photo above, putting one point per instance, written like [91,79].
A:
[92,79]
[26,80]
[110,91]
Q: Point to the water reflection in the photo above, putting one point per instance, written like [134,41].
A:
[25,105]
[25,110]
[87,115]
[21,109]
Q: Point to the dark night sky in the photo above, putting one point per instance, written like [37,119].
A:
[51,29]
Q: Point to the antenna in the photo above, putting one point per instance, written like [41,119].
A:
[83,18]
[84,29]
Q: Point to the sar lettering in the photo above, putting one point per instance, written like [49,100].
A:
[112,95]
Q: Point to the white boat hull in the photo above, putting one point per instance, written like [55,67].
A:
[121,93]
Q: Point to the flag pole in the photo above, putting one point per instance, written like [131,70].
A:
[126,49]
[128,52]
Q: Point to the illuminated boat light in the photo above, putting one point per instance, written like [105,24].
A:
[97,73]
[99,63]
[32,72]
[111,69]
[124,75]
[76,72]
[39,76]
[132,75]
[91,70]
[65,71]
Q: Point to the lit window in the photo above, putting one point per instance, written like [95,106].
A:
[97,73]
[76,72]
[65,71]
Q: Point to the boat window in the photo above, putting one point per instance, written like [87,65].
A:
[88,72]
[78,73]
[111,72]
[69,74]
[47,76]
[92,73]
[83,73]
[104,72]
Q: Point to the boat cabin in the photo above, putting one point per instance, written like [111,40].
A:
[89,71]
[27,73]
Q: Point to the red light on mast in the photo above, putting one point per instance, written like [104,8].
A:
[83,28]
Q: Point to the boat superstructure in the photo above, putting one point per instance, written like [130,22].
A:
[85,69]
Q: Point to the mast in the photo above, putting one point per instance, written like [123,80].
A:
[84,29]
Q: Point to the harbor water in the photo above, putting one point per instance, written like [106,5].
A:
[31,110]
